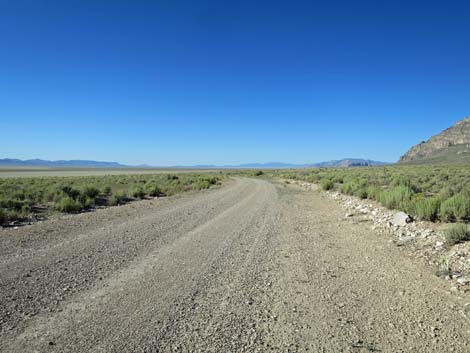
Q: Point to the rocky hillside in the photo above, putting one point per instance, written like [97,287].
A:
[450,146]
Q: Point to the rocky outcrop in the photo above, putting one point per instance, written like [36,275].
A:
[451,145]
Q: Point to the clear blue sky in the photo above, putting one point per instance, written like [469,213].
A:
[221,82]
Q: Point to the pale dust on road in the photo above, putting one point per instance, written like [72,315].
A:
[254,266]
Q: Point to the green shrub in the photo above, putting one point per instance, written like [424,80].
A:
[259,173]
[428,208]
[457,233]
[88,202]
[446,192]
[68,204]
[152,189]
[91,192]
[117,198]
[455,208]
[327,184]
[373,192]
[137,191]
[396,197]
[106,190]
[3,217]
[70,191]
[25,209]
[348,188]
[361,192]
[203,184]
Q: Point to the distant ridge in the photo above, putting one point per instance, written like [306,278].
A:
[8,162]
[450,146]
[341,163]
[349,162]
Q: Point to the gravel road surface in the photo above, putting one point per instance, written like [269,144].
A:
[253,266]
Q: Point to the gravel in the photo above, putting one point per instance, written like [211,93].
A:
[253,266]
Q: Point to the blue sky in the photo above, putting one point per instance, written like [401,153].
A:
[226,82]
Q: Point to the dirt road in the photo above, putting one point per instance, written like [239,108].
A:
[251,267]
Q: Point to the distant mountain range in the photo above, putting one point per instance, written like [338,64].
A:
[347,162]
[350,162]
[450,146]
[7,162]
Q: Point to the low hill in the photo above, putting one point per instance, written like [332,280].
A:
[450,146]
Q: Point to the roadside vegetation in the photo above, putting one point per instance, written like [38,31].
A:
[24,198]
[433,193]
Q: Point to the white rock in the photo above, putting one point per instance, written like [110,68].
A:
[463,281]
[401,219]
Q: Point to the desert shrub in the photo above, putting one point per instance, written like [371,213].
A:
[117,198]
[137,191]
[428,208]
[12,204]
[455,208]
[213,180]
[259,173]
[361,192]
[151,188]
[348,188]
[446,192]
[404,181]
[91,192]
[338,179]
[25,209]
[70,191]
[203,184]
[106,190]
[68,204]
[3,216]
[396,197]
[457,233]
[88,202]
[327,184]
[373,192]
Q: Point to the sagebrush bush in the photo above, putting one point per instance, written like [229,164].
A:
[3,217]
[457,233]
[455,208]
[396,197]
[137,191]
[68,205]
[327,184]
[106,190]
[152,189]
[428,208]
[373,192]
[361,192]
[91,192]
[70,191]
[203,184]
[348,188]
[117,198]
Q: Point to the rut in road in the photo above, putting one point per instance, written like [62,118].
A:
[255,266]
